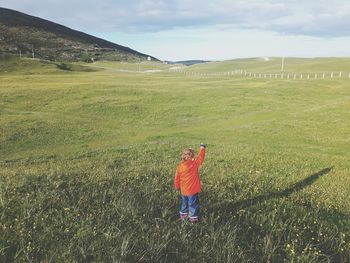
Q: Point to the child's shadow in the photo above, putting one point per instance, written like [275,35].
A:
[229,206]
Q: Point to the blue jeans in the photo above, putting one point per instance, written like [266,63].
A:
[190,207]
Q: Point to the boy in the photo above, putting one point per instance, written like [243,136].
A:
[187,179]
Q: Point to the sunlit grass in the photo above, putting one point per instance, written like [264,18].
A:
[87,162]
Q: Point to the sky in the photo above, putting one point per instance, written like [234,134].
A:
[208,30]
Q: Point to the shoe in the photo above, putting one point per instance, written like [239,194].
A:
[194,220]
[183,216]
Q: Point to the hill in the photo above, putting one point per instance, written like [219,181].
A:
[188,62]
[273,64]
[28,35]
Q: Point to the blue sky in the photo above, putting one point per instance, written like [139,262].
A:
[211,30]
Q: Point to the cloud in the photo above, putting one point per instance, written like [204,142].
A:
[213,43]
[292,17]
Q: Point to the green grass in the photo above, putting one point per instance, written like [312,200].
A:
[27,66]
[273,64]
[87,162]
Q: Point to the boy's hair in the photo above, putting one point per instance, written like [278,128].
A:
[187,154]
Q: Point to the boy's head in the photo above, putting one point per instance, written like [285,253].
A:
[187,154]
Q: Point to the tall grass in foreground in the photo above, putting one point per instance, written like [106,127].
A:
[124,209]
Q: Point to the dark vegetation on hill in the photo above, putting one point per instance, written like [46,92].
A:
[27,35]
[15,65]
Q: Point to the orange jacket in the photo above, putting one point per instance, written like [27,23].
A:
[187,177]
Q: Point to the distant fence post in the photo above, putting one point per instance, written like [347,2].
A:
[263,75]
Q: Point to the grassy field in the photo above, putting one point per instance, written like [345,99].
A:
[273,64]
[88,155]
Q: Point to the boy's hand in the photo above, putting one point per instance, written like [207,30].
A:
[202,145]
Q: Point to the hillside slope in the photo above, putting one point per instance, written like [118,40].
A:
[25,34]
[273,64]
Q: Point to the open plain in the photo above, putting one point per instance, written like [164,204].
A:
[88,154]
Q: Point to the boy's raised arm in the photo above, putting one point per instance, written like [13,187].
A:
[201,154]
